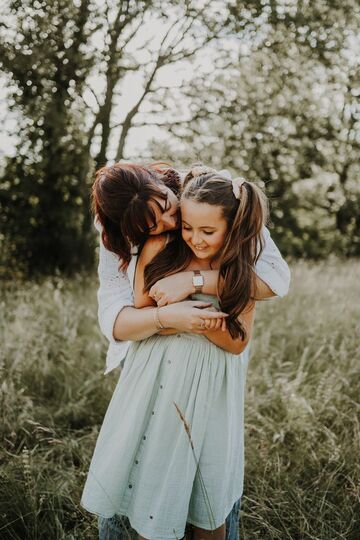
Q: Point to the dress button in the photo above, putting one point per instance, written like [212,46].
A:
[150,517]
[153,413]
[130,486]
[144,437]
[161,386]
[136,462]
[177,335]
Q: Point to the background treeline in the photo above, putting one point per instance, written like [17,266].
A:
[268,89]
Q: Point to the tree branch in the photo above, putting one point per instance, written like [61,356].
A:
[95,96]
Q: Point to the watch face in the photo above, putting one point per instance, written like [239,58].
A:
[198,281]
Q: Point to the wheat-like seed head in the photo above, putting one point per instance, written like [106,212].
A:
[186,425]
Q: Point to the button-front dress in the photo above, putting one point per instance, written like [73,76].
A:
[170,450]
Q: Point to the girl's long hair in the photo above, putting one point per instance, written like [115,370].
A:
[120,197]
[245,217]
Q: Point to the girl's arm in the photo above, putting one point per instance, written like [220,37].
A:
[225,341]
[272,272]
[219,337]
[178,286]
[179,316]
[120,321]
[152,246]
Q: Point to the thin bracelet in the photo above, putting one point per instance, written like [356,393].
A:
[157,321]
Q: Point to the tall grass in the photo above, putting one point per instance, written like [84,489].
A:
[52,399]
[302,411]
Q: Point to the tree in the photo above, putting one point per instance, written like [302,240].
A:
[54,54]
[186,29]
[283,112]
[44,196]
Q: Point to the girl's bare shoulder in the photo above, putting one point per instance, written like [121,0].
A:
[152,246]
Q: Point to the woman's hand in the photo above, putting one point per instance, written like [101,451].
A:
[171,289]
[192,316]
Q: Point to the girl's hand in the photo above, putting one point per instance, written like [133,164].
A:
[171,289]
[191,316]
[215,324]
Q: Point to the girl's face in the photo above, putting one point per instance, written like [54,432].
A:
[204,228]
[166,218]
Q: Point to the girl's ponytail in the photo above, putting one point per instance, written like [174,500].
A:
[244,243]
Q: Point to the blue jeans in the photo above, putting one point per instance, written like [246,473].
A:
[119,528]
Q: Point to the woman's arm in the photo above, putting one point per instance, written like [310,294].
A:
[171,316]
[219,337]
[272,269]
[133,324]
[117,316]
[114,293]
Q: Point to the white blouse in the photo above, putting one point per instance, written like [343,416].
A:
[116,289]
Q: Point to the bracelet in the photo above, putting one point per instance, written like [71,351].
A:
[157,321]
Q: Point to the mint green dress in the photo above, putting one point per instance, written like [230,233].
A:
[149,466]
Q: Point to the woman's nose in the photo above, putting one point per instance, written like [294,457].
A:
[169,221]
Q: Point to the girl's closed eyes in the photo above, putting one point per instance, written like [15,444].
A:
[189,229]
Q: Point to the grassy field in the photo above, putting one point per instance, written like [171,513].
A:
[302,476]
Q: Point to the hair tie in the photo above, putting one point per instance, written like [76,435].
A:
[236,186]
[199,170]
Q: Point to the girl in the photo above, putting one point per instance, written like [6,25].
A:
[171,447]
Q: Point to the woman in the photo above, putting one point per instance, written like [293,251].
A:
[120,322]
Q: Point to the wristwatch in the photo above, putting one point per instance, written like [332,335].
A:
[198,281]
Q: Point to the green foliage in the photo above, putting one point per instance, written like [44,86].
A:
[282,109]
[44,190]
[276,102]
[302,432]
[65,63]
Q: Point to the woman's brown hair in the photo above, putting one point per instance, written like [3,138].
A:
[120,197]
[245,217]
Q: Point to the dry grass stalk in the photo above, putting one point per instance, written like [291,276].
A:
[198,471]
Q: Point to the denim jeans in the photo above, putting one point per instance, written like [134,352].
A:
[119,528]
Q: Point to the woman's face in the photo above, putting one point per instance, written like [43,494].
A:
[204,228]
[168,217]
